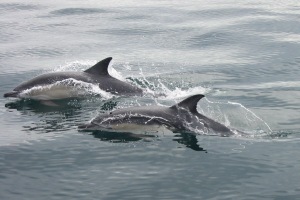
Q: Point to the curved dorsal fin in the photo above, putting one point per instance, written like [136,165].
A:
[189,103]
[100,68]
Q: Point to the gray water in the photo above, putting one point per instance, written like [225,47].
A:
[243,55]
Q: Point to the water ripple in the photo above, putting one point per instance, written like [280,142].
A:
[129,31]
[77,11]
[18,6]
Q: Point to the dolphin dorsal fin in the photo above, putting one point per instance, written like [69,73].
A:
[100,68]
[189,103]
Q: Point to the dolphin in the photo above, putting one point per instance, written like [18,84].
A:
[181,117]
[60,85]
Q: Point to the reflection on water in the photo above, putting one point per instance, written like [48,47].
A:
[117,137]
[44,106]
[60,116]
[188,140]
[62,106]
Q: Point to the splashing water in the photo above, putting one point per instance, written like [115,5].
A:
[78,65]
[157,88]
[231,114]
[235,115]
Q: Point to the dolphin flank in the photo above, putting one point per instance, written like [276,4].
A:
[177,118]
[97,74]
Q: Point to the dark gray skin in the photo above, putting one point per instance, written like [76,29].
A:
[97,74]
[180,117]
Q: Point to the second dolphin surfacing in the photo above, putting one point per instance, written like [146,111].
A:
[181,117]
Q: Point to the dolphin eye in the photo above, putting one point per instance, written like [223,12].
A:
[110,113]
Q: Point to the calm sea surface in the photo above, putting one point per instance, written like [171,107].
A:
[243,55]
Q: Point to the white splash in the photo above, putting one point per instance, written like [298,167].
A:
[78,65]
[235,115]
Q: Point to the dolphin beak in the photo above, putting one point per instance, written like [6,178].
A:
[85,126]
[11,94]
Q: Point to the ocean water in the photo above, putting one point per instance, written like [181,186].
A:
[243,55]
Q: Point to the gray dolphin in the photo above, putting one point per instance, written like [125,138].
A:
[177,118]
[62,88]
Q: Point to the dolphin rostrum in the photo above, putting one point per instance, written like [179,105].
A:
[63,83]
[177,118]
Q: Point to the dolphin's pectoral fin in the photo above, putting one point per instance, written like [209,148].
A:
[48,103]
[189,103]
[100,68]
